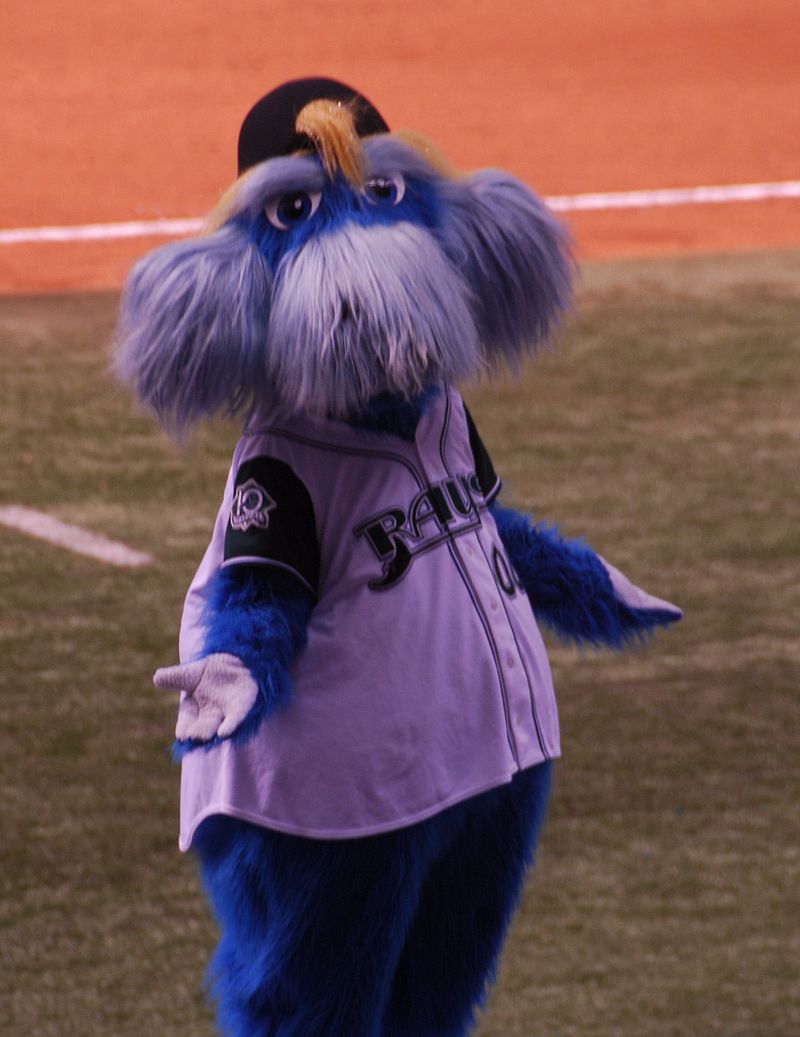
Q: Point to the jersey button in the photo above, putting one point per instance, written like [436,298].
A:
[494,603]
[510,661]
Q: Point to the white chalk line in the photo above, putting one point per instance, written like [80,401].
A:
[597,202]
[102,231]
[73,538]
[716,195]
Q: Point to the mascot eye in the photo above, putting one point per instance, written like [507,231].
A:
[386,190]
[290,209]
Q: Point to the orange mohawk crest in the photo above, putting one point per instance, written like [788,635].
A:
[331,127]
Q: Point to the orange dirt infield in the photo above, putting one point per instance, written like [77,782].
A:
[114,111]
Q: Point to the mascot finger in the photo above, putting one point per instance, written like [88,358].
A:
[184,677]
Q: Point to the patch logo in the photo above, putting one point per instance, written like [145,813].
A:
[251,507]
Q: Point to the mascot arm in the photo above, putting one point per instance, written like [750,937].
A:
[575,591]
[256,620]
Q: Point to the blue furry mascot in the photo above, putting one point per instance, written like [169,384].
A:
[367,722]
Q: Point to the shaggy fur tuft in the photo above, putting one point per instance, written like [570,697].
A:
[331,128]
[569,587]
[193,328]
[515,257]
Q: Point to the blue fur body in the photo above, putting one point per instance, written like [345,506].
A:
[395,935]
[569,587]
[393,416]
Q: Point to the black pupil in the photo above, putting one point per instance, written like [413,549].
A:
[294,207]
[382,188]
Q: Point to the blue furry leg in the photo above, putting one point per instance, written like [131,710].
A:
[451,954]
[311,930]
[395,935]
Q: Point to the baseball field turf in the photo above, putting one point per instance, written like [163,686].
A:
[666,902]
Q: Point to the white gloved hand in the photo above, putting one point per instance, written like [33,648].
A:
[219,693]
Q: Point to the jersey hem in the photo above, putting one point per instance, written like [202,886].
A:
[263,821]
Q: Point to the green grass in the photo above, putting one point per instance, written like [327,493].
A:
[667,900]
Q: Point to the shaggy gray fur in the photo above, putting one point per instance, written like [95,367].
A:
[359,303]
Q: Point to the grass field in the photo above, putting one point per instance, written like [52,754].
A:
[667,898]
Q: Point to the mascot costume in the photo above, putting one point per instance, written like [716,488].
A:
[367,722]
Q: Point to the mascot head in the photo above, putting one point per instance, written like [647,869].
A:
[345,264]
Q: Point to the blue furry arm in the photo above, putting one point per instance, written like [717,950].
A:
[573,590]
[258,614]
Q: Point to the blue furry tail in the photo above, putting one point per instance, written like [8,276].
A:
[570,588]
[260,615]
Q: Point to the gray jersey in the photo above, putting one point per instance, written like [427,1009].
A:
[424,680]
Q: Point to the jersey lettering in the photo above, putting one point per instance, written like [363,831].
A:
[436,514]
[505,575]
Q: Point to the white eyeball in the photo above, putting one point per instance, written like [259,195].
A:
[385,190]
[290,210]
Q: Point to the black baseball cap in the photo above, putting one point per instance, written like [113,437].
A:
[269,127]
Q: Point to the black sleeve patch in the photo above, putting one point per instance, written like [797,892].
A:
[272,520]
[488,480]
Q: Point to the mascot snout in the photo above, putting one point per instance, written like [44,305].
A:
[368,310]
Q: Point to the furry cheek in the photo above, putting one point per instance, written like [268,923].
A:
[192,328]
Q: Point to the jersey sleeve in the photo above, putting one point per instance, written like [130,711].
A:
[272,521]
[488,480]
